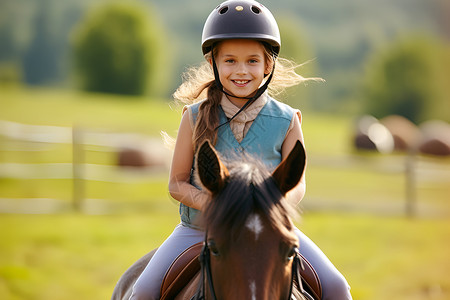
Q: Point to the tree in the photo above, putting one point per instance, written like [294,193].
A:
[118,49]
[41,63]
[402,80]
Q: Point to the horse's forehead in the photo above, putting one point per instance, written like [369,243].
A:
[254,225]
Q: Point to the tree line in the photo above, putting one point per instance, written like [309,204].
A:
[142,47]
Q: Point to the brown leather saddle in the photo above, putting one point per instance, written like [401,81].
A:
[186,265]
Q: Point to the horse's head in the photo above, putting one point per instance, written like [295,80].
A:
[250,234]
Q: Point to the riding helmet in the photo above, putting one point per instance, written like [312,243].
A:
[241,19]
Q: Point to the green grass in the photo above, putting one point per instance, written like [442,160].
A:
[386,257]
[72,256]
[353,208]
[96,111]
[337,176]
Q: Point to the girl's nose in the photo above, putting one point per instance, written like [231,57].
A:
[241,69]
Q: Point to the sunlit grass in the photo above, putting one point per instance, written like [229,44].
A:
[380,256]
[81,255]
[93,111]
[73,256]
[111,196]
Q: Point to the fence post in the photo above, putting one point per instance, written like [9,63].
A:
[77,169]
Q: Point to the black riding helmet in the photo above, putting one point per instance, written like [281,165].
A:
[241,19]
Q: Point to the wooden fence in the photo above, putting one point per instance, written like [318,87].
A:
[24,138]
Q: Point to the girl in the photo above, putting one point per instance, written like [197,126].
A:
[241,42]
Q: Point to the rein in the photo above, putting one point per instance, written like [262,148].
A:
[205,263]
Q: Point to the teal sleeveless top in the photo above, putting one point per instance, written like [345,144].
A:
[262,141]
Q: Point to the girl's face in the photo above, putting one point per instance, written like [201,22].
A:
[241,65]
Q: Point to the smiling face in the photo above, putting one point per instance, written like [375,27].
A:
[241,65]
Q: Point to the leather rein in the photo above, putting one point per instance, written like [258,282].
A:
[206,275]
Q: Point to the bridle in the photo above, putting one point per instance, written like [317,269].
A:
[206,275]
[205,272]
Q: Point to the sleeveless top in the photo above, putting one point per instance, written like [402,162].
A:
[262,141]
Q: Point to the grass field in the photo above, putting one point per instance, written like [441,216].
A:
[354,207]
[73,256]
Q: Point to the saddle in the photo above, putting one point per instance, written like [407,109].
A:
[181,271]
[186,265]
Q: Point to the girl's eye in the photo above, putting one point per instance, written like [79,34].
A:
[253,61]
[230,61]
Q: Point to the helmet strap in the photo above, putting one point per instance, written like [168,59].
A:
[252,99]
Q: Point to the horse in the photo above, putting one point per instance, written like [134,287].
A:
[250,250]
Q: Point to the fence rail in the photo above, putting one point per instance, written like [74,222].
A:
[17,137]
[25,138]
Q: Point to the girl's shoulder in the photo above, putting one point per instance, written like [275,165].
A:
[192,110]
[279,109]
[194,107]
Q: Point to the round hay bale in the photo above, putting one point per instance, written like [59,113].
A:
[361,139]
[435,138]
[132,157]
[371,135]
[147,153]
[405,133]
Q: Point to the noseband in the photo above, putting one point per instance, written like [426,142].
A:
[206,275]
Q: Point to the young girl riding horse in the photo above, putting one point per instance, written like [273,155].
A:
[241,43]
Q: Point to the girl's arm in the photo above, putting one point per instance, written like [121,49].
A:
[294,135]
[180,171]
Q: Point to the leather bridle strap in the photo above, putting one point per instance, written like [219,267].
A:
[297,264]
[205,263]
[206,275]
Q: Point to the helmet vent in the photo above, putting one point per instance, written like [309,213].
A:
[223,10]
[256,10]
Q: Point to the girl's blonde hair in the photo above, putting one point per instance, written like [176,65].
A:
[199,83]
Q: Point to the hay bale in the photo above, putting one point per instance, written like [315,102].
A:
[435,138]
[147,153]
[132,157]
[371,135]
[405,133]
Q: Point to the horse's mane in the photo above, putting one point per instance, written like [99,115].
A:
[249,189]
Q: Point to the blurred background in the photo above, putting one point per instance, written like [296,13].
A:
[85,92]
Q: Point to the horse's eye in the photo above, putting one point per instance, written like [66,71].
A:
[291,253]
[213,248]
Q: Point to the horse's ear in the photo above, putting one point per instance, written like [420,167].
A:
[288,173]
[212,172]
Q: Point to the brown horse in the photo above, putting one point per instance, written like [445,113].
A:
[250,249]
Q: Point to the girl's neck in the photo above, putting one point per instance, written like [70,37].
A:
[238,102]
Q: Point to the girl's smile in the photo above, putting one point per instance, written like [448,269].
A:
[241,65]
[241,83]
